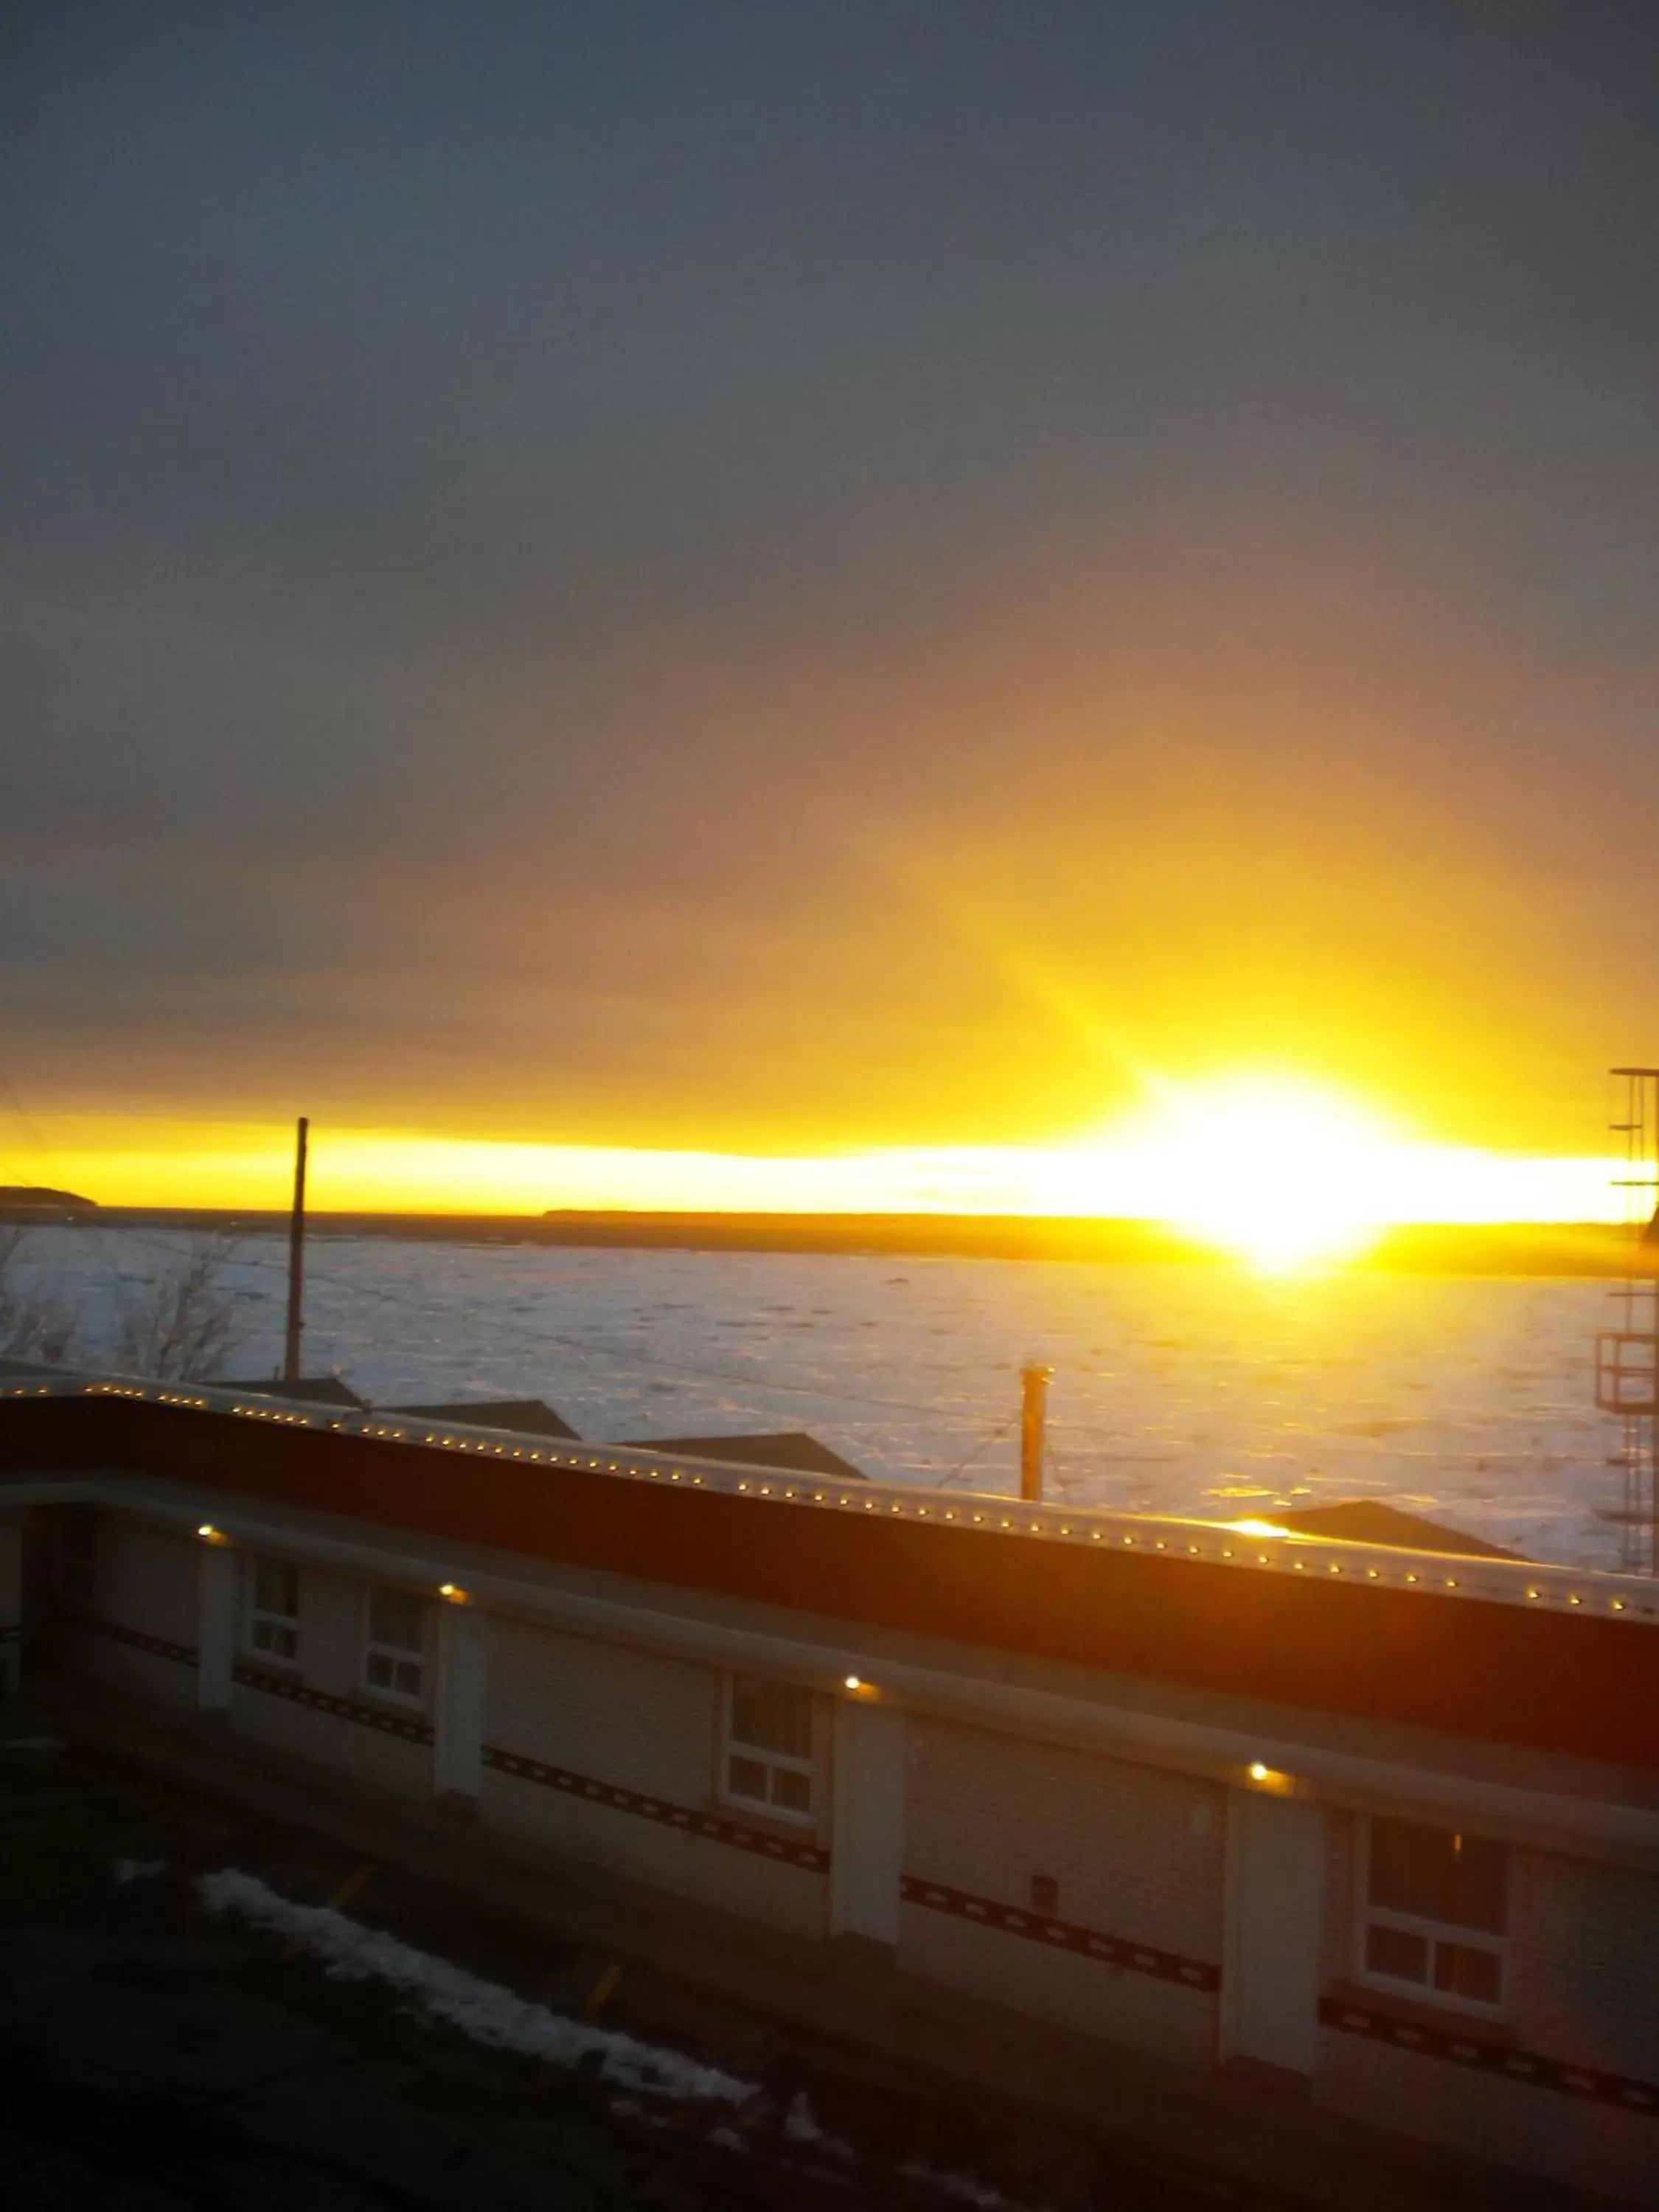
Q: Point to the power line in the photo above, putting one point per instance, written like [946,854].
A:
[984,1444]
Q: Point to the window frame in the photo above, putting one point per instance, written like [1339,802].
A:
[1432,1932]
[396,1655]
[256,1616]
[775,1762]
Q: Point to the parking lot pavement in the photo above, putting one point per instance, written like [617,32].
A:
[159,2055]
[156,2057]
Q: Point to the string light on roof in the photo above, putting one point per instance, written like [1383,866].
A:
[1493,1584]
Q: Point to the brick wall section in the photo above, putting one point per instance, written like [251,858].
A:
[144,1579]
[331,1660]
[1593,2146]
[634,1719]
[1584,1970]
[1136,1852]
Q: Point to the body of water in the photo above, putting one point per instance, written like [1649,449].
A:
[1189,1389]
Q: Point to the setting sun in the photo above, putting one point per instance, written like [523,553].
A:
[1284,1173]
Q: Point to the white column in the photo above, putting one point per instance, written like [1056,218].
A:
[219,1590]
[11,1602]
[866,1863]
[458,1709]
[1275,1907]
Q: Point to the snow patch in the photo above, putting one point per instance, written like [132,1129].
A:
[493,2015]
[483,2010]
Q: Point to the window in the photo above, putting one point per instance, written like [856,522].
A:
[394,1662]
[273,1616]
[1435,1914]
[77,1556]
[767,1752]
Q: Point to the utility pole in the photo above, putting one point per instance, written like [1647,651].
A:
[1034,1410]
[296,1256]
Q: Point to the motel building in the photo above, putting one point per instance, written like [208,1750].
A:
[1381,1826]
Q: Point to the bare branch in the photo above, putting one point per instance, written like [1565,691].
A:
[185,1327]
[33,1325]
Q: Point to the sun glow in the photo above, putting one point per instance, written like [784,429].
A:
[1281,1172]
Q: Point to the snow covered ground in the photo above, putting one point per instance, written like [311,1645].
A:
[1181,1388]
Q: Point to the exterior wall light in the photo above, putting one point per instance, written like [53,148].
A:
[1272,1779]
[209,1534]
[454,1592]
[854,1682]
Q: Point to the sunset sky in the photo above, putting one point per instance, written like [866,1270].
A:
[798,582]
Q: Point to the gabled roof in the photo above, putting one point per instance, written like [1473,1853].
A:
[310,1390]
[1368,1521]
[792,1451]
[531,1417]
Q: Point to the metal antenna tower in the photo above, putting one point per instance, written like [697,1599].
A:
[1627,1358]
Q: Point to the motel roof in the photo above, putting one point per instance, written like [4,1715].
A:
[788,1451]
[305,1390]
[1369,1521]
[1536,1659]
[527,1417]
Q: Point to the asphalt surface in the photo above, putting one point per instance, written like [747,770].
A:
[157,2056]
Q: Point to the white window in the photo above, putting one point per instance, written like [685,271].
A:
[77,1555]
[1434,1914]
[767,1753]
[273,1612]
[394,1657]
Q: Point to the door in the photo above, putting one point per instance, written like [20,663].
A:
[1275,1892]
[867,1860]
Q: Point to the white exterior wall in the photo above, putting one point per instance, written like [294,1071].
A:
[635,1720]
[1136,1852]
[458,1701]
[331,1628]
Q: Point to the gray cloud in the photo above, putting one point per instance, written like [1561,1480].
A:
[483,480]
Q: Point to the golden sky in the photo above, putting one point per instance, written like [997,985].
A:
[804,612]
[1269,1166]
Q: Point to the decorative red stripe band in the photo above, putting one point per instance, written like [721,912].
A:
[412,1730]
[1458,2048]
[159,1647]
[1062,1934]
[667,1814]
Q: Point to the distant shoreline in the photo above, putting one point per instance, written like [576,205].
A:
[1529,1248]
